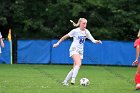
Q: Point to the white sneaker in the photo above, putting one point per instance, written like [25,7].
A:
[65,83]
[72,81]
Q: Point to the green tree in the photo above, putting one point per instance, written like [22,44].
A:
[49,19]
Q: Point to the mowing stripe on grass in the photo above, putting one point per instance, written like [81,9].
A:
[46,74]
[119,75]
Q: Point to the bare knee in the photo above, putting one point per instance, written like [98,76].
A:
[77,60]
[77,64]
[138,69]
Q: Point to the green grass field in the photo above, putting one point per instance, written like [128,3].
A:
[23,78]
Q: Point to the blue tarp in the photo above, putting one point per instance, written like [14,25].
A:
[33,51]
[60,55]
[5,55]
[108,53]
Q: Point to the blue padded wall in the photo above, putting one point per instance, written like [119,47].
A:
[108,53]
[5,55]
[33,51]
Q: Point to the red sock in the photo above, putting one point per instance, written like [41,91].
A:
[137,78]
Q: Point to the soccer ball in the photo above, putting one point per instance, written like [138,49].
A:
[138,86]
[84,82]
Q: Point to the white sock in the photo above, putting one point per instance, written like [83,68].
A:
[69,75]
[75,72]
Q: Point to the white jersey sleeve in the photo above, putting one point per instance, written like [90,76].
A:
[0,35]
[89,36]
[71,33]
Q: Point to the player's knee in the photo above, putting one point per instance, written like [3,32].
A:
[138,72]
[77,67]
[138,69]
[78,64]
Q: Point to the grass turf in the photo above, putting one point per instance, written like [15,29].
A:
[23,78]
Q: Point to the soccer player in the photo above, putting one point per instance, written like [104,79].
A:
[79,35]
[136,62]
[1,43]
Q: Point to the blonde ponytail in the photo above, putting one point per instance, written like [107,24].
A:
[138,34]
[78,23]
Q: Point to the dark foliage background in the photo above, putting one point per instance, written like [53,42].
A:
[49,19]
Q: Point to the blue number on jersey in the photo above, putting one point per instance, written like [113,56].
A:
[81,39]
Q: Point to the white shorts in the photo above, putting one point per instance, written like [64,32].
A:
[0,50]
[75,50]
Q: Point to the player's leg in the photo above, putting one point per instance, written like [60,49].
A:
[137,77]
[77,63]
[68,77]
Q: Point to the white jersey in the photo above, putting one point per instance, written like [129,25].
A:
[79,37]
[0,35]
[0,42]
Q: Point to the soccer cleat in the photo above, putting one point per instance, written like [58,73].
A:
[65,83]
[73,81]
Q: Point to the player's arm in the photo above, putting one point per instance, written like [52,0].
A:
[63,38]
[90,37]
[1,42]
